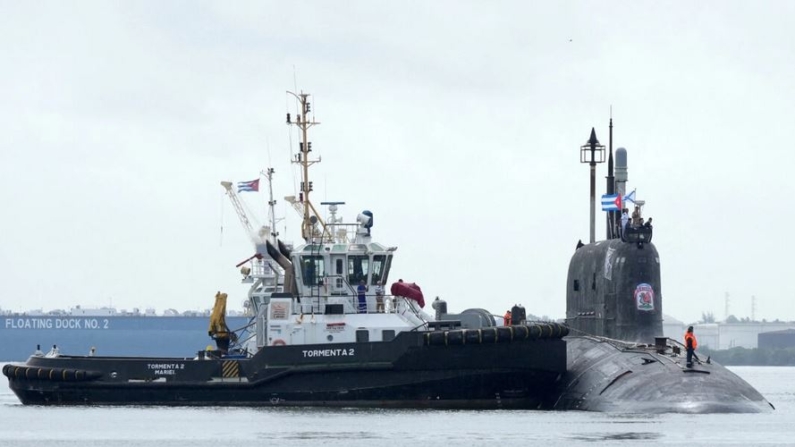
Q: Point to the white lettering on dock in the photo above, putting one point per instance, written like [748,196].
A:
[328,352]
[56,323]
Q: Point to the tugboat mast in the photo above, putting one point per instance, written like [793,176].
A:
[305,147]
[274,235]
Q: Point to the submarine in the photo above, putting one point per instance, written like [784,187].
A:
[617,357]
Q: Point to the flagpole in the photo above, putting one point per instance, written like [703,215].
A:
[593,203]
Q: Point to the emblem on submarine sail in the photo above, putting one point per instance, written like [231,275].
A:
[644,297]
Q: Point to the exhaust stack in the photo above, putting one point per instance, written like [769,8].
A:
[284,262]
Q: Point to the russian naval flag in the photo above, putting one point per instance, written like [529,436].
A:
[611,202]
[630,197]
[251,185]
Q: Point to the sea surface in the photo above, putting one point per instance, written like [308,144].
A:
[214,427]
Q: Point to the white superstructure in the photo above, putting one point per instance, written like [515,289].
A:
[325,289]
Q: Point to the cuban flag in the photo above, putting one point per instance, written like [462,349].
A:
[611,202]
[630,197]
[252,185]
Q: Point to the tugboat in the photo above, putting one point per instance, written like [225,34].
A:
[326,334]
[618,358]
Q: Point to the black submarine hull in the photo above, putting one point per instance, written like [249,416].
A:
[510,368]
[611,376]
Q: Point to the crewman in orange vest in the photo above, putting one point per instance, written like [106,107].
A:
[507,318]
[690,344]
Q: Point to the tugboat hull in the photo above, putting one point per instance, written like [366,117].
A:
[478,389]
[512,374]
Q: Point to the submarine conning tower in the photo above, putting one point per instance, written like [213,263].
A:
[613,291]
[613,286]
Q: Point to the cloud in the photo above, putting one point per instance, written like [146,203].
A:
[458,124]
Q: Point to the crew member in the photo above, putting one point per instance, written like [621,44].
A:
[379,297]
[624,221]
[507,318]
[690,344]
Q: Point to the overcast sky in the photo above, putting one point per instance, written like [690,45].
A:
[457,123]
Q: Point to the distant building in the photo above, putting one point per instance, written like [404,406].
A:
[777,339]
[747,334]
[720,336]
[707,334]
[79,311]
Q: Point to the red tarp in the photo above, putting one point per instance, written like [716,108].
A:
[409,290]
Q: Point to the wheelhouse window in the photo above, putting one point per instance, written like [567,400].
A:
[358,268]
[313,269]
[379,263]
[386,269]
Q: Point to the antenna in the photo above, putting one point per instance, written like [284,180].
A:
[332,208]
[295,78]
[221,236]
[612,216]
[268,173]
[726,306]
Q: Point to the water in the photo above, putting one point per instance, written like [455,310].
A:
[213,427]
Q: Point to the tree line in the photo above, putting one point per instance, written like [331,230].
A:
[709,317]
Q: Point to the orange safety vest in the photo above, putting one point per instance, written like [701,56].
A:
[692,337]
[507,318]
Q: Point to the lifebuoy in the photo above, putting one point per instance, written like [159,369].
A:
[278,342]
